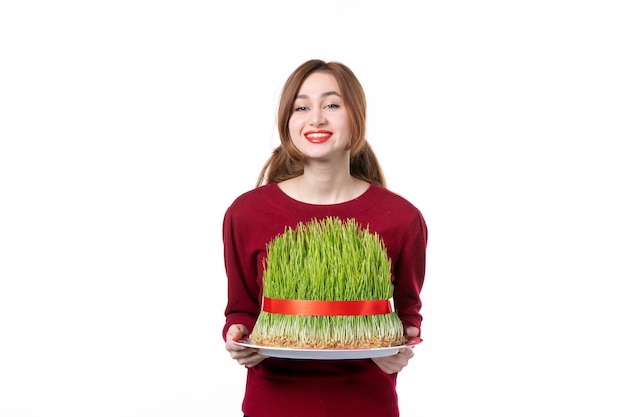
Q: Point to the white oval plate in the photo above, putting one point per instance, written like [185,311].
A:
[299,353]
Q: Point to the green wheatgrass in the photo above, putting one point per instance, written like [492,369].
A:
[327,259]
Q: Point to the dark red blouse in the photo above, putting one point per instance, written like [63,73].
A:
[319,388]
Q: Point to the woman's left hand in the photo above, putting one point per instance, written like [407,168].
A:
[395,363]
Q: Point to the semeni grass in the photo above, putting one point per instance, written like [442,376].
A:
[327,260]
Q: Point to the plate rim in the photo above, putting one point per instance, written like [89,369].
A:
[312,353]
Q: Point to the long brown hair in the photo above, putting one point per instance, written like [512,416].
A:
[286,161]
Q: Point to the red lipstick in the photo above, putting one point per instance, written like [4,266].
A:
[317,136]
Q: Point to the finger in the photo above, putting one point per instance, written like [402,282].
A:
[236,332]
[412,331]
[243,353]
[231,346]
[406,352]
[251,360]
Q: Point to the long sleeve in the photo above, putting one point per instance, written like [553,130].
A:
[242,306]
[409,272]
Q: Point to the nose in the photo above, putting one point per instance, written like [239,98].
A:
[317,118]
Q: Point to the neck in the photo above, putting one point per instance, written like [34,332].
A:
[326,187]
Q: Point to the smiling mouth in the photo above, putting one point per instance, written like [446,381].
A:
[317,137]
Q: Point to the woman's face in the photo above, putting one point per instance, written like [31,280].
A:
[319,125]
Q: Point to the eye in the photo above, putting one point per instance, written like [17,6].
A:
[299,108]
[332,106]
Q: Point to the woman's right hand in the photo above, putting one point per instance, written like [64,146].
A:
[245,356]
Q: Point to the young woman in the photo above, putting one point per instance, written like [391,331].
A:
[323,167]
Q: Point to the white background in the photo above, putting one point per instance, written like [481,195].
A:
[128,127]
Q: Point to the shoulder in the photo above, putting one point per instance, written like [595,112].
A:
[393,199]
[255,201]
[253,196]
[396,211]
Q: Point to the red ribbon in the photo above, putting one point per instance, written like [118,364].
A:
[326,308]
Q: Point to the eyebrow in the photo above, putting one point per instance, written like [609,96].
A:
[326,94]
